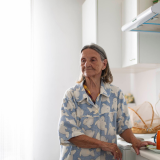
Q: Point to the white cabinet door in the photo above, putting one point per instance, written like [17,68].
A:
[130,155]
[144,4]
[129,39]
[138,47]
[101,24]
[129,48]
[127,154]
[109,30]
[138,157]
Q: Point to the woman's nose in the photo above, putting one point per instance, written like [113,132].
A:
[87,64]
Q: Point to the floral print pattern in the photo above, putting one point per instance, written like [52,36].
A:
[101,120]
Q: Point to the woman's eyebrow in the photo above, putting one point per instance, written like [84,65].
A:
[88,57]
[94,57]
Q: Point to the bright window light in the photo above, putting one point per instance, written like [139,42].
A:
[16,81]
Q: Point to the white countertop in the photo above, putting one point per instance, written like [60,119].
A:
[145,152]
[148,154]
[125,145]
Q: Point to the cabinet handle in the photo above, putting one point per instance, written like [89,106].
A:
[132,59]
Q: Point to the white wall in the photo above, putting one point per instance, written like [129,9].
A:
[123,81]
[146,86]
[57,44]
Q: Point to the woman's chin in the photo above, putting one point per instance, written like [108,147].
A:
[89,75]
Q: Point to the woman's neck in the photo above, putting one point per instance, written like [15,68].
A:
[93,85]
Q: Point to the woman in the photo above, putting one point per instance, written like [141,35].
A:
[93,112]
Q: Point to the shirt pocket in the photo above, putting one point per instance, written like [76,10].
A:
[88,120]
[87,124]
[110,117]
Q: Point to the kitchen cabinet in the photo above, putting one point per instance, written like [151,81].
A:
[138,49]
[138,157]
[127,154]
[101,24]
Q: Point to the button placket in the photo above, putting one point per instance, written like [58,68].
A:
[96,109]
[96,106]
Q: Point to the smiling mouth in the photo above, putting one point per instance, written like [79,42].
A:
[88,70]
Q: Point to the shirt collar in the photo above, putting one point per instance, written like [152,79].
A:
[104,90]
[82,94]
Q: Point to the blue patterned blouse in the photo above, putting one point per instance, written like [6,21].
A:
[102,120]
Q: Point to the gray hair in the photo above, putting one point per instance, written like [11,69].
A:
[106,75]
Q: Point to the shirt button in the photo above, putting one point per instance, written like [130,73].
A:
[98,150]
[96,111]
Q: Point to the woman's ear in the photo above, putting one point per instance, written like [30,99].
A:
[104,64]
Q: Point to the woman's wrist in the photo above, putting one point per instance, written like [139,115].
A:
[105,145]
[101,144]
[134,140]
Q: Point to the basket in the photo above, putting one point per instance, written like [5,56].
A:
[143,119]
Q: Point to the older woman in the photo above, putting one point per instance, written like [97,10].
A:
[93,112]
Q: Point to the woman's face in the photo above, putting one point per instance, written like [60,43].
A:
[91,63]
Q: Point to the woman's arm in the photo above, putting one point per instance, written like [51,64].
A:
[129,137]
[84,141]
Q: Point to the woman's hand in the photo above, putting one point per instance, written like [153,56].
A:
[113,148]
[137,144]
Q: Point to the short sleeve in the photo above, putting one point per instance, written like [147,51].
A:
[123,118]
[68,121]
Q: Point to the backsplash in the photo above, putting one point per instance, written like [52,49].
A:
[145,86]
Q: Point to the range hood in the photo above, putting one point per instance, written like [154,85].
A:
[147,21]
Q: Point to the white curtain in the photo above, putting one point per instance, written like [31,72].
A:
[16,81]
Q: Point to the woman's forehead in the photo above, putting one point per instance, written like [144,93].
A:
[90,53]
